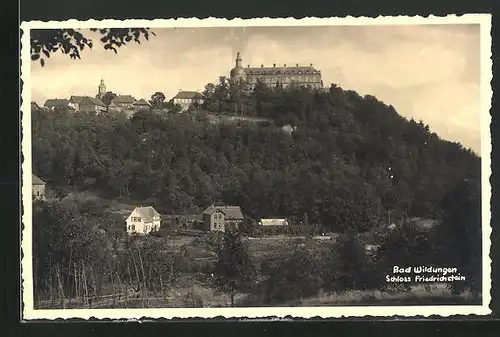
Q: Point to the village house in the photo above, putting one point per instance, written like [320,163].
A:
[141,104]
[187,98]
[273,222]
[37,187]
[91,104]
[143,220]
[122,102]
[74,102]
[222,218]
[52,104]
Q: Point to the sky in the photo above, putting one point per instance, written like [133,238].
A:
[427,72]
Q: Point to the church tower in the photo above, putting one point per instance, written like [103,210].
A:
[101,90]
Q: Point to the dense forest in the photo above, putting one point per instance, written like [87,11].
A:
[345,160]
[331,158]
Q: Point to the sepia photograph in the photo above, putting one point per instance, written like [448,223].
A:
[256,168]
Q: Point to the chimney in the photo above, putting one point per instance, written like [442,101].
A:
[262,66]
[274,65]
[248,66]
[297,65]
[284,65]
[310,64]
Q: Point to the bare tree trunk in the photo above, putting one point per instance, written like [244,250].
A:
[121,287]
[112,283]
[61,291]
[76,281]
[171,274]
[51,289]
[93,281]
[145,289]
[161,288]
[139,283]
[84,276]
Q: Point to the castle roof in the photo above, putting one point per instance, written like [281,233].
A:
[297,70]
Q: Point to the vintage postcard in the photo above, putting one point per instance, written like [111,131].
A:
[334,167]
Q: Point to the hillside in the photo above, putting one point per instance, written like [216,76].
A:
[350,160]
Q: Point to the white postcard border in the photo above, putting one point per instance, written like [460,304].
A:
[28,311]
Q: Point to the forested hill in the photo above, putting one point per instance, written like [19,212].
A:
[350,160]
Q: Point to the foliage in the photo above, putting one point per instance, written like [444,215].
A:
[353,269]
[157,99]
[108,97]
[350,161]
[301,271]
[45,42]
[233,270]
[459,238]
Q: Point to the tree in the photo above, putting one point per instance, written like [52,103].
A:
[459,236]
[306,229]
[108,97]
[351,267]
[72,42]
[233,270]
[157,99]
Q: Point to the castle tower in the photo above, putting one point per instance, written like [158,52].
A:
[101,90]
[238,72]
[238,60]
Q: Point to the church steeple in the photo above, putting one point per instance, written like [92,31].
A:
[101,90]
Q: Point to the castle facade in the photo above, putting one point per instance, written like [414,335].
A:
[272,76]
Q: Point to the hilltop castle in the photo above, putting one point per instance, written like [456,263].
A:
[300,75]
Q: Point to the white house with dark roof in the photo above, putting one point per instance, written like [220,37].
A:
[187,98]
[143,220]
[37,188]
[222,218]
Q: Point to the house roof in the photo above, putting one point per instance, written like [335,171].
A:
[91,100]
[36,181]
[34,106]
[56,102]
[147,213]
[76,99]
[231,212]
[123,99]
[188,95]
[273,222]
[141,102]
